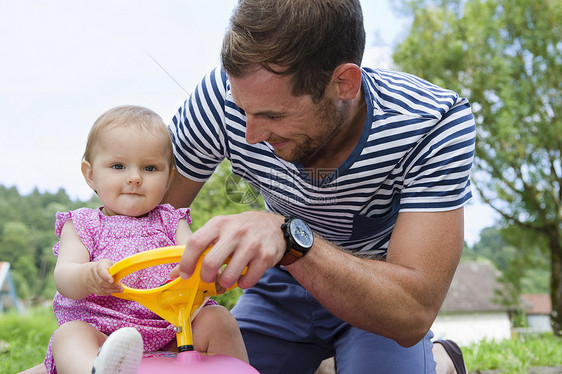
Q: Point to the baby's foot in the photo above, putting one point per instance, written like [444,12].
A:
[120,354]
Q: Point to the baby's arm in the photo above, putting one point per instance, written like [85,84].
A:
[183,232]
[76,277]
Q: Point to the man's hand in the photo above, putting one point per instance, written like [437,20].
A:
[250,239]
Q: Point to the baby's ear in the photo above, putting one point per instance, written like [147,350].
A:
[173,172]
[88,173]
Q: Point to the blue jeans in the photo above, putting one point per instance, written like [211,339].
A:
[287,331]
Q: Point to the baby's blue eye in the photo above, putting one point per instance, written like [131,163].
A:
[118,166]
[150,168]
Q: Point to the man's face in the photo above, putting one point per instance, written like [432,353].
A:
[294,126]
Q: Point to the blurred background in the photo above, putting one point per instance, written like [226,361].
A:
[63,63]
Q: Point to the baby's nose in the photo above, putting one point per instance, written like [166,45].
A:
[134,178]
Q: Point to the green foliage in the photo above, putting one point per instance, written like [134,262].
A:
[514,356]
[229,299]
[518,255]
[505,56]
[27,236]
[224,193]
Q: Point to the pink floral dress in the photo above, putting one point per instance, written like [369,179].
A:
[117,237]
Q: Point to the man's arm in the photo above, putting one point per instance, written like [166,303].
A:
[398,298]
[182,191]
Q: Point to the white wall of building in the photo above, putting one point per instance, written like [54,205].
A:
[539,323]
[469,328]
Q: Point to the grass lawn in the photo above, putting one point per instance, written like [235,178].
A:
[516,355]
[24,339]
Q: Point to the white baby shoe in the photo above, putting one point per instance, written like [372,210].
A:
[120,354]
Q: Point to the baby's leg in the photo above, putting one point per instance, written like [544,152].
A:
[75,346]
[216,331]
[39,369]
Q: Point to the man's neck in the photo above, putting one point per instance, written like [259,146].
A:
[337,150]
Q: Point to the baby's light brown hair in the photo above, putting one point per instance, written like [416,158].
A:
[138,118]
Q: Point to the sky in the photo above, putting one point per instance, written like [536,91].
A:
[64,62]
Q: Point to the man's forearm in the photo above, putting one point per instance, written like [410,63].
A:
[372,295]
[398,298]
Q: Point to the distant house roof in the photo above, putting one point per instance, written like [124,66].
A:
[537,303]
[474,289]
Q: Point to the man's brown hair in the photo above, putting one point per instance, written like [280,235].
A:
[306,39]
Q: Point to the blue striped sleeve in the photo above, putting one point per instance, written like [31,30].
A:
[198,130]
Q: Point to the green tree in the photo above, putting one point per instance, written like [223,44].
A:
[27,237]
[505,56]
[523,271]
[15,241]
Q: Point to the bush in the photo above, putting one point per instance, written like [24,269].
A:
[229,299]
[516,355]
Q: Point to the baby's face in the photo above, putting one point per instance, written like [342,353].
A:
[130,171]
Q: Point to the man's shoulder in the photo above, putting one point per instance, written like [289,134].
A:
[404,93]
[399,79]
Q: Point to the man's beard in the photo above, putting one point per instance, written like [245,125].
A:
[331,120]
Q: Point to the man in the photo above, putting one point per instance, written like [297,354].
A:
[364,174]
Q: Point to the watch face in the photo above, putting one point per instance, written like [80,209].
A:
[302,235]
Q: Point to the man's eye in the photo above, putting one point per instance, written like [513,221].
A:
[150,168]
[274,118]
[118,166]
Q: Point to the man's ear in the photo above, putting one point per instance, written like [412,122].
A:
[347,78]
[88,173]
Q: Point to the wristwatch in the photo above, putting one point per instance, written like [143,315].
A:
[299,238]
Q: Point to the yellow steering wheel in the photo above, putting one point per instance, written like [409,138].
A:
[175,301]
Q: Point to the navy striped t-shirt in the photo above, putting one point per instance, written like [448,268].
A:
[414,155]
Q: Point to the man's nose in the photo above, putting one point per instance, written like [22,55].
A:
[256,130]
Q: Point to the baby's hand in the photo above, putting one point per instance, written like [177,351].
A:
[99,281]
